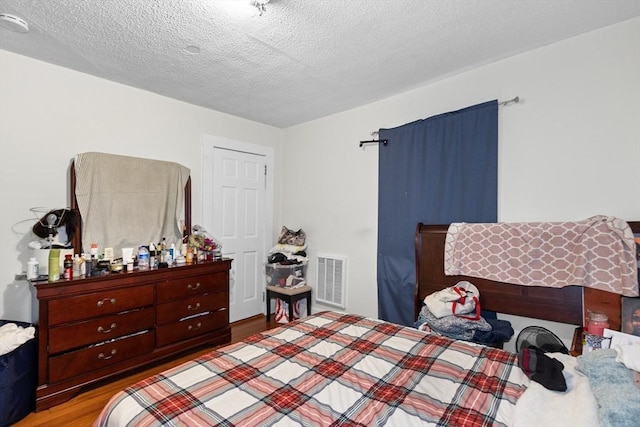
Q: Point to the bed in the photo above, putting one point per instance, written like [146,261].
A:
[333,368]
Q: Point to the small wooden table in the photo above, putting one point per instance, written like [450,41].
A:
[290,296]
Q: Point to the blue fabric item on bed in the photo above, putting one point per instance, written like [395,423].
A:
[612,383]
[501,331]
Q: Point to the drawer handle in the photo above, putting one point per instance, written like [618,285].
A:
[106,331]
[103,357]
[193,287]
[194,307]
[102,301]
[195,328]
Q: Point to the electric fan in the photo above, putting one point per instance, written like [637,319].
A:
[544,339]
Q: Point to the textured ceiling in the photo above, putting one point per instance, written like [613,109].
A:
[301,59]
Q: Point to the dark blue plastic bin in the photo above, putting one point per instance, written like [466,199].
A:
[18,380]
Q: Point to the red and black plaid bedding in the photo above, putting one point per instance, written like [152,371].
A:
[330,369]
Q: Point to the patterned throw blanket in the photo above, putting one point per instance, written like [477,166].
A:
[330,369]
[598,252]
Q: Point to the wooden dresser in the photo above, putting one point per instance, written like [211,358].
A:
[93,328]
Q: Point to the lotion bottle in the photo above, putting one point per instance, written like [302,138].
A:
[54,265]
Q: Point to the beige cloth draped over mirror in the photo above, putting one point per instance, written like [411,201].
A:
[128,201]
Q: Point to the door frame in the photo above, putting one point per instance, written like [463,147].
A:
[208,145]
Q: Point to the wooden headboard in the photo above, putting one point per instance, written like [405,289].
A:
[564,305]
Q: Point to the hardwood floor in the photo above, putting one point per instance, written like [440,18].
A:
[83,409]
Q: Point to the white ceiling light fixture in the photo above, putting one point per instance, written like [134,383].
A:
[13,23]
[261,5]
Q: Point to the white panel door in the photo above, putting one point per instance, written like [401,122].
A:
[238,222]
[237,207]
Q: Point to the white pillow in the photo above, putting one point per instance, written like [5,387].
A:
[628,354]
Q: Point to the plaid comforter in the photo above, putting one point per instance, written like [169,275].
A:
[330,369]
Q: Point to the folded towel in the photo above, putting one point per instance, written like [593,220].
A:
[13,336]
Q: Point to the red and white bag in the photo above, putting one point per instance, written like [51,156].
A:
[459,300]
[282,310]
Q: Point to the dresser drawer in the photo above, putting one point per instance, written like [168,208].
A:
[100,356]
[99,304]
[188,328]
[174,289]
[97,330]
[174,311]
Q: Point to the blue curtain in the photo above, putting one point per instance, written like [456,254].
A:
[438,170]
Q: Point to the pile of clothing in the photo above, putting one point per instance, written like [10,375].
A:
[455,312]
[13,336]
[286,265]
[289,251]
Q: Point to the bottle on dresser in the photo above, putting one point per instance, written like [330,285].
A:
[32,268]
[164,252]
[143,258]
[94,257]
[54,265]
[68,266]
[172,254]
[77,263]
[153,255]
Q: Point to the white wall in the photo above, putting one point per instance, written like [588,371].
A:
[569,150]
[48,114]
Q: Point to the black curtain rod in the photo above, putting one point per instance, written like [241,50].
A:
[374,141]
[510,101]
[384,141]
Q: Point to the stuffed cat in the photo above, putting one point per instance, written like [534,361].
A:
[290,237]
